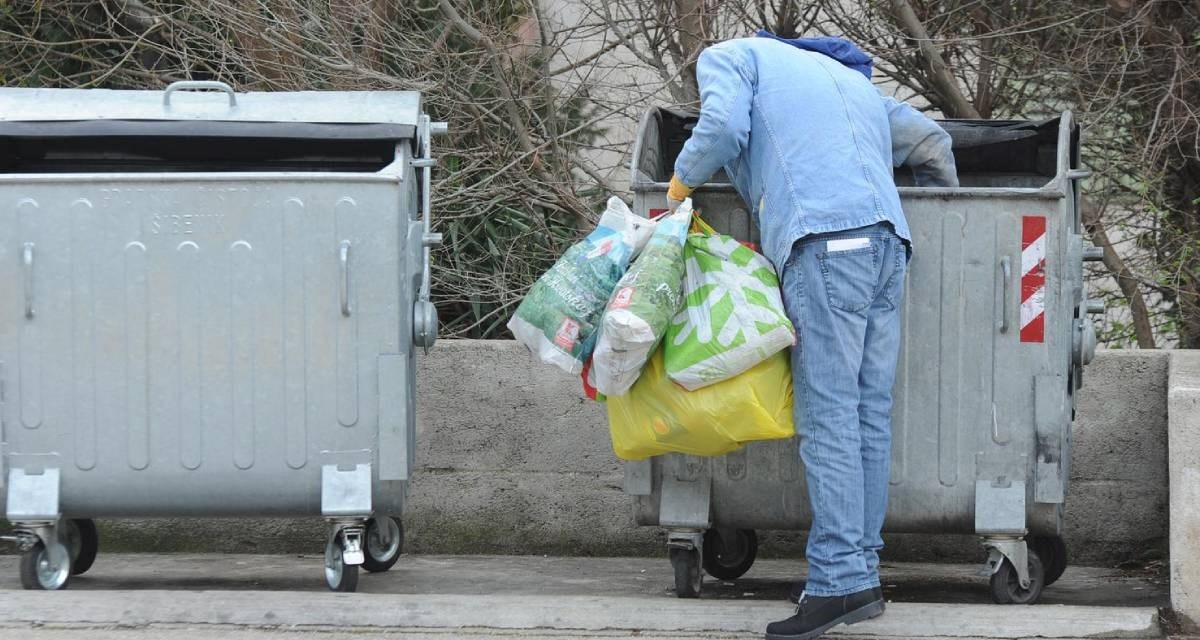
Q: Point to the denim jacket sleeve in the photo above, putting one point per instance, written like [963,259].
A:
[921,144]
[726,90]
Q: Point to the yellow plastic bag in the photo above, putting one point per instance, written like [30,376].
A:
[658,416]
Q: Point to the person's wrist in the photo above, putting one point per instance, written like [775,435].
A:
[677,190]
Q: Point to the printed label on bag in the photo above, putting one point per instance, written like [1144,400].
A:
[568,333]
[601,249]
[623,298]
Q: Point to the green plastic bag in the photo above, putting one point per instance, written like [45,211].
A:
[733,316]
[559,317]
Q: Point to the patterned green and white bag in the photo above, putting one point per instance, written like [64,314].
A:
[733,316]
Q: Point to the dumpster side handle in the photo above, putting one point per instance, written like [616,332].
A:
[344,263]
[1006,291]
[27,263]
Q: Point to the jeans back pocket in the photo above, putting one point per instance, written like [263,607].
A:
[851,276]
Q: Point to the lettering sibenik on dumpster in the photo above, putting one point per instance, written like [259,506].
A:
[182,224]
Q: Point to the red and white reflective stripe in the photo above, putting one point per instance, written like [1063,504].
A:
[1033,279]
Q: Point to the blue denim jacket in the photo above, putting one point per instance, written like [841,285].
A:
[808,143]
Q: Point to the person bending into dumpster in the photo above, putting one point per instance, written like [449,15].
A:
[807,139]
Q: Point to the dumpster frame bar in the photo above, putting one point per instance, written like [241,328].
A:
[1055,187]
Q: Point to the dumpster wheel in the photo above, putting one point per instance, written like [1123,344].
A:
[384,544]
[46,570]
[729,553]
[339,576]
[84,542]
[1052,551]
[686,563]
[1006,587]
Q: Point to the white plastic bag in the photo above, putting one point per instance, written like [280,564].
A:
[641,308]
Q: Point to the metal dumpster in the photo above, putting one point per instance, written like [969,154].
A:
[212,302]
[996,333]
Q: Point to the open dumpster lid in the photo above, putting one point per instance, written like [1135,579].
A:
[180,103]
[182,128]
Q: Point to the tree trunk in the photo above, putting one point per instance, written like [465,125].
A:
[953,102]
[693,21]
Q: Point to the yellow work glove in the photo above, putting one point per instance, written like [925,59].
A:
[677,193]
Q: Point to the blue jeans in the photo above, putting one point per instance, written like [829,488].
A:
[843,290]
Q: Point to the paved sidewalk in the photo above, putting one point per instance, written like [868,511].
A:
[259,609]
[541,575]
[143,596]
[235,633]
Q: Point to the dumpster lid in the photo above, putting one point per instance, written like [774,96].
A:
[298,115]
[179,129]
[324,107]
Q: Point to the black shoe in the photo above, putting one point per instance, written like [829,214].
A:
[798,590]
[816,615]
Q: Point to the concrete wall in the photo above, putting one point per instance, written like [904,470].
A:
[1184,405]
[1117,509]
[513,460]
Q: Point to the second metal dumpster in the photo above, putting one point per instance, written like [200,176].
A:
[212,301]
[995,337]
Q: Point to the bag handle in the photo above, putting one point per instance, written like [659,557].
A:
[700,226]
[703,228]
[588,390]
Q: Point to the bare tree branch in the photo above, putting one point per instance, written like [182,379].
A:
[1092,220]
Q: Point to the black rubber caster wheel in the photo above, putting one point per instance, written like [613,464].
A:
[384,543]
[84,543]
[729,553]
[1006,587]
[339,576]
[43,571]
[1052,551]
[686,563]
